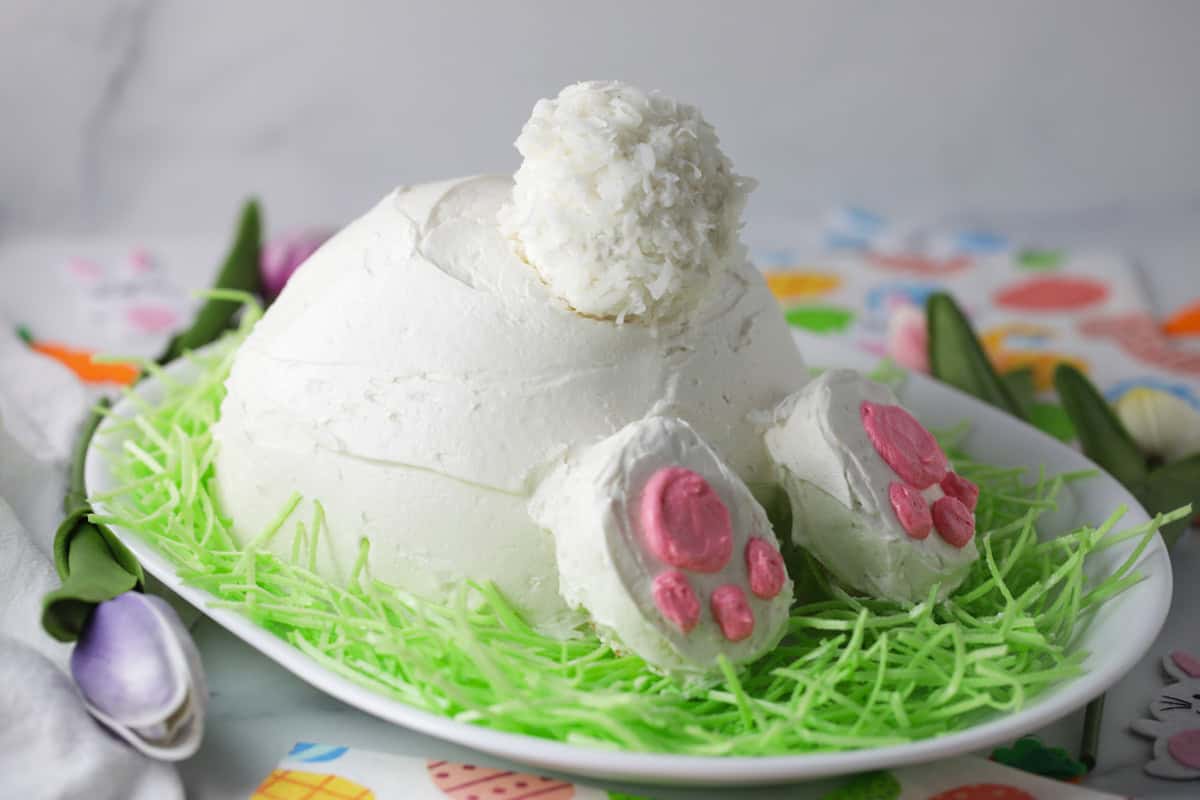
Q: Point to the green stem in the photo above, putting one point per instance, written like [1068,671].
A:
[1090,746]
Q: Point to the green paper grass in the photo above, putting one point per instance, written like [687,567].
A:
[851,673]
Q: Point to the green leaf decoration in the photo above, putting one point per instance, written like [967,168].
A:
[92,562]
[76,492]
[1021,386]
[1030,755]
[868,786]
[956,357]
[240,272]
[1052,418]
[1103,437]
[94,567]
[1169,487]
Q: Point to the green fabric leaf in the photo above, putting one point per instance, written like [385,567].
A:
[1022,388]
[868,786]
[76,491]
[1030,755]
[956,357]
[1052,418]
[92,572]
[1168,488]
[240,272]
[1103,437]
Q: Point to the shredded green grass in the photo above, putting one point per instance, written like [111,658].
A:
[851,673]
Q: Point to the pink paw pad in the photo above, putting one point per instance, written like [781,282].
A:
[961,489]
[953,521]
[904,444]
[676,599]
[732,612]
[765,566]
[911,509]
[685,522]
[1184,747]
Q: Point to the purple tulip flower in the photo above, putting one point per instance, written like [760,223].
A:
[141,676]
[283,255]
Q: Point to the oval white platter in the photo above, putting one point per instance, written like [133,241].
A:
[1115,639]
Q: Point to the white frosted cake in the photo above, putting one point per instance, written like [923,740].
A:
[497,378]
[418,377]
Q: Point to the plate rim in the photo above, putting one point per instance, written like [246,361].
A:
[665,768]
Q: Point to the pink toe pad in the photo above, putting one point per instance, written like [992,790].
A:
[953,521]
[765,566]
[1184,747]
[962,489]
[676,599]
[732,612]
[911,509]
[904,444]
[684,521]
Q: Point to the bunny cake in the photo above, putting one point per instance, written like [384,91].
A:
[483,379]
[873,497]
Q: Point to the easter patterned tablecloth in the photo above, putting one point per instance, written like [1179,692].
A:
[1031,307]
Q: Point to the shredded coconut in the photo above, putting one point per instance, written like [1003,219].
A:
[624,204]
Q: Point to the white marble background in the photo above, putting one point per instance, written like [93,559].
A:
[1065,120]
[158,115]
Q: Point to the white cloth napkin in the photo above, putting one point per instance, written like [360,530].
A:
[49,746]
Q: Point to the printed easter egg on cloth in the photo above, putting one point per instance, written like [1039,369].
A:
[1052,293]
[1185,322]
[984,791]
[790,285]
[469,782]
[1018,345]
[918,263]
[1036,260]
[1141,338]
[820,319]
[290,784]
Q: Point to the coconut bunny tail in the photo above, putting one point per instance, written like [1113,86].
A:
[624,204]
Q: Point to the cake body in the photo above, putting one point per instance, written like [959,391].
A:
[417,379]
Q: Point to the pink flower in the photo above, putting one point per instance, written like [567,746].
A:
[908,338]
[284,254]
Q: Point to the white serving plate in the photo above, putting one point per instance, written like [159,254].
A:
[1118,635]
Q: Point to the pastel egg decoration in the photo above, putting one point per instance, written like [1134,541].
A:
[794,284]
[1052,293]
[820,318]
[469,782]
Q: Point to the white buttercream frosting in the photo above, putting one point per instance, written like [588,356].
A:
[624,203]
[590,504]
[838,486]
[417,378]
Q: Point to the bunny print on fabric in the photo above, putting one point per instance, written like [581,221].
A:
[1176,724]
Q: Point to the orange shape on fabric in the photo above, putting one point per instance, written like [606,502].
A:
[985,791]
[80,362]
[918,264]
[1052,293]
[1185,322]
[469,782]
[790,285]
[1042,362]
[289,784]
